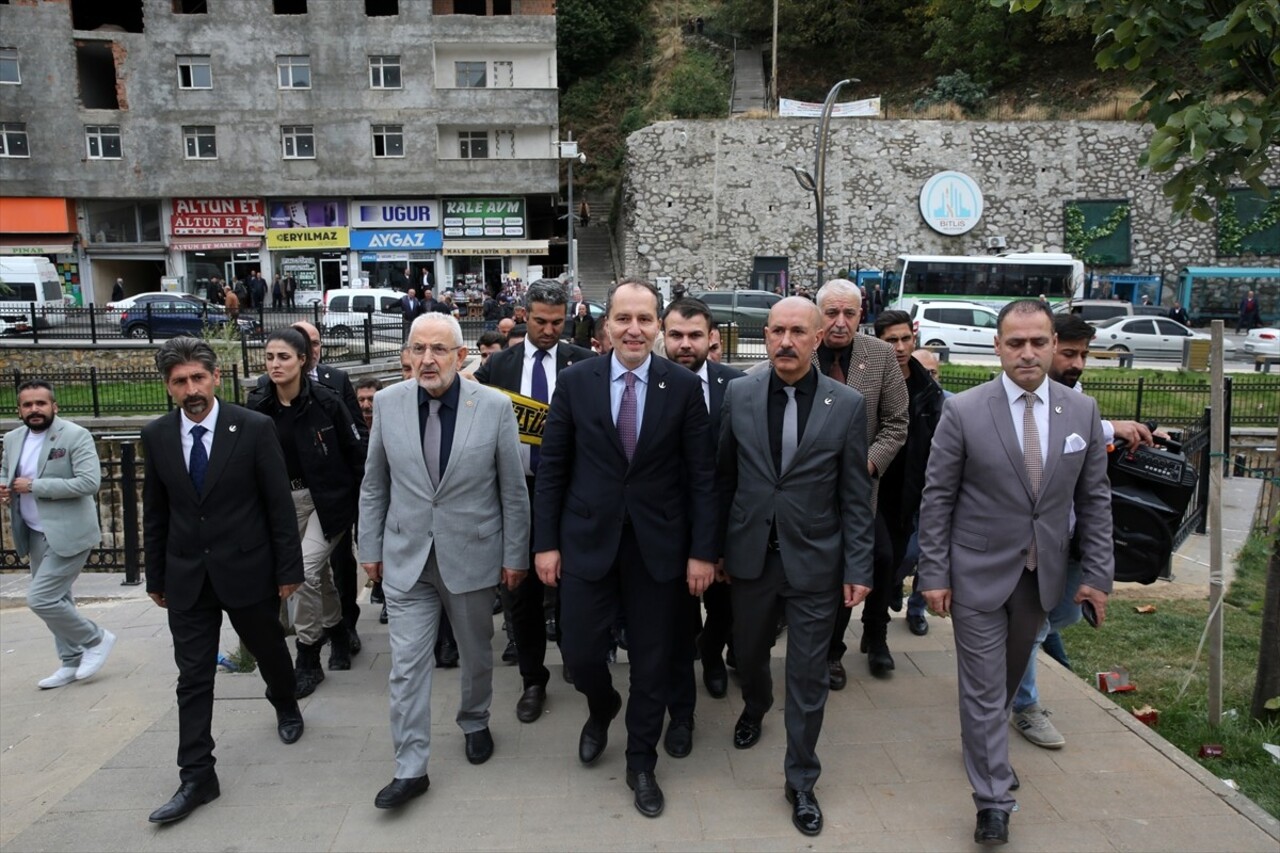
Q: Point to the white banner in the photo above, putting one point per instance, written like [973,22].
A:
[788,108]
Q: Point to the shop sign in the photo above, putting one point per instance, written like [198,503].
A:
[303,270]
[395,240]
[308,238]
[395,214]
[209,216]
[44,249]
[484,217]
[306,213]
[951,203]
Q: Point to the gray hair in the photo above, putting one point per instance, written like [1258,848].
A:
[635,282]
[839,287]
[185,349]
[545,291]
[435,318]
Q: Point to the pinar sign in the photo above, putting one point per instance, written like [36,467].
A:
[244,217]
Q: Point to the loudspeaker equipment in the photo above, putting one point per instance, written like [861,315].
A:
[1151,488]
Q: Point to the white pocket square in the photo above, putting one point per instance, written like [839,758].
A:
[1074,444]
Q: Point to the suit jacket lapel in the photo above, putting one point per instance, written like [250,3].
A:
[13,452]
[655,403]
[757,403]
[715,385]
[224,443]
[171,453]
[1057,439]
[462,422]
[605,402]
[1002,415]
[50,442]
[408,418]
[818,414]
[564,357]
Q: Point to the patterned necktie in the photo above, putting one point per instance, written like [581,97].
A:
[790,428]
[538,390]
[198,466]
[836,372]
[431,442]
[627,415]
[1031,458]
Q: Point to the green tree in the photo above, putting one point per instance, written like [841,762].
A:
[589,33]
[1213,93]
[987,42]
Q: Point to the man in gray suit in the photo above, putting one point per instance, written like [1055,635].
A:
[1009,460]
[51,476]
[798,533]
[444,515]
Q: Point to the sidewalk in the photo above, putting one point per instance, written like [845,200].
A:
[81,767]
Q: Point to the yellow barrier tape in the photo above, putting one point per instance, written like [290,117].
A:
[531,416]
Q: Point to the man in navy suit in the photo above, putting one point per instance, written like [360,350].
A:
[625,519]
[686,331]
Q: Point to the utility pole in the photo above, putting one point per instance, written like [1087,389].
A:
[773,58]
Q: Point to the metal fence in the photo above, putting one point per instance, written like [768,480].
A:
[97,392]
[1195,446]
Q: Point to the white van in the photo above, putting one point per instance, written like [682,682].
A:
[346,309]
[27,280]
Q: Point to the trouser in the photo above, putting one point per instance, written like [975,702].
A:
[1065,614]
[717,631]
[414,620]
[991,656]
[683,689]
[810,615]
[318,607]
[196,634]
[652,610]
[875,608]
[525,609]
[49,597]
[343,563]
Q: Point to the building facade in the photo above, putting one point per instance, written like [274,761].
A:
[330,140]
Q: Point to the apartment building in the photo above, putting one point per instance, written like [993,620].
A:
[174,140]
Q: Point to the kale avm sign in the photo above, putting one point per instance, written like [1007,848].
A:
[484,217]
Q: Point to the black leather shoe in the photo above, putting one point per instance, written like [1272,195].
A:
[746,732]
[189,797]
[715,677]
[566,674]
[649,800]
[382,617]
[837,678]
[289,724]
[353,640]
[595,733]
[806,814]
[479,746]
[679,739]
[529,707]
[1017,783]
[730,659]
[497,602]
[447,658]
[375,594]
[918,624]
[553,629]
[510,654]
[879,660]
[992,828]
[401,791]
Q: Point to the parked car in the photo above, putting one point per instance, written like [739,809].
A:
[129,301]
[1149,337]
[166,315]
[958,326]
[346,309]
[1096,311]
[1262,342]
[749,309]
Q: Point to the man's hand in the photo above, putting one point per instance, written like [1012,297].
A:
[547,564]
[158,598]
[1133,433]
[871,469]
[373,570]
[1099,600]
[721,575]
[4,493]
[701,573]
[288,589]
[22,485]
[855,594]
[512,578]
[939,600]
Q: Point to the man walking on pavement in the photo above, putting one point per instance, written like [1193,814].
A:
[51,477]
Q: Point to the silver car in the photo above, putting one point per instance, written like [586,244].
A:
[1149,337]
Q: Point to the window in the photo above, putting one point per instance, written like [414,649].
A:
[298,141]
[96,74]
[384,72]
[473,144]
[338,304]
[102,141]
[1098,232]
[504,74]
[190,7]
[294,72]
[388,140]
[1169,327]
[195,72]
[1140,327]
[122,221]
[469,75]
[289,7]
[120,16]
[380,8]
[13,140]
[10,72]
[201,141]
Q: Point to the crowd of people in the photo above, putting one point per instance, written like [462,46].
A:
[612,494]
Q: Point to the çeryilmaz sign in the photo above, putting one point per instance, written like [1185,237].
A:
[951,203]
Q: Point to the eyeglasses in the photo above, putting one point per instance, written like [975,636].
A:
[437,350]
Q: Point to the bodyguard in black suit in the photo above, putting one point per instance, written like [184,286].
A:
[625,518]
[686,328]
[529,370]
[219,534]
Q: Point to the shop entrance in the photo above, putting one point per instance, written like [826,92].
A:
[332,273]
[140,276]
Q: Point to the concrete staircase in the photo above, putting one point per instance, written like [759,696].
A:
[749,91]
[595,250]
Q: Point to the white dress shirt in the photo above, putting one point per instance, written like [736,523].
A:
[706,385]
[1040,412]
[209,423]
[526,387]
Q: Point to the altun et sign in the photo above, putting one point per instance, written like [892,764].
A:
[951,203]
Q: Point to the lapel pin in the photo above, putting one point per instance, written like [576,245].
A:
[862,367]
[470,403]
[231,428]
[1057,410]
[719,380]
[662,385]
[827,401]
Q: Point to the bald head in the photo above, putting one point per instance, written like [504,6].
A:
[791,335]
[928,360]
[793,304]
[313,340]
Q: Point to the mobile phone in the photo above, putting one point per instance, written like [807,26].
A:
[1090,614]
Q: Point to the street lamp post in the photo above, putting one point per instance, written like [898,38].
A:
[569,152]
[815,182]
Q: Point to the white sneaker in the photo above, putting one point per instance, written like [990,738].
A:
[92,659]
[64,676]
[1034,725]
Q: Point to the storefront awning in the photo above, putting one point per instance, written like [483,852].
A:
[37,244]
[495,247]
[207,244]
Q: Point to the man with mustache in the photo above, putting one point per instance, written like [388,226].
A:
[51,477]
[219,533]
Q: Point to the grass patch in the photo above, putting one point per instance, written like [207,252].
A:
[1159,649]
